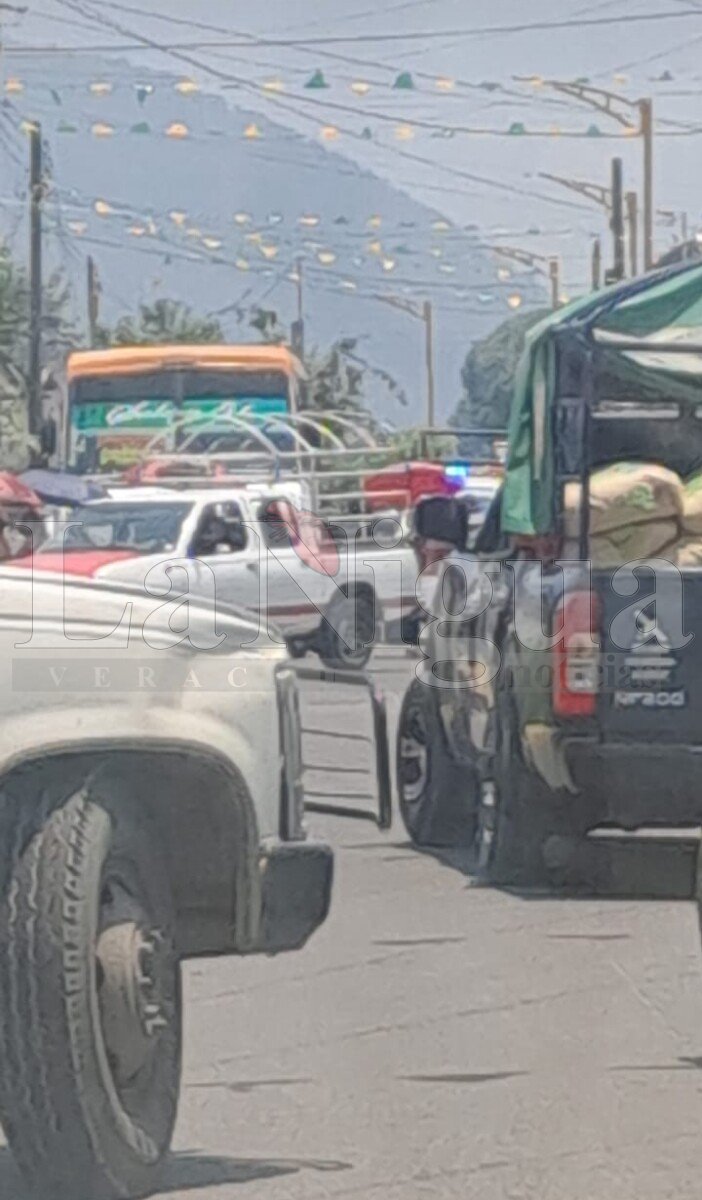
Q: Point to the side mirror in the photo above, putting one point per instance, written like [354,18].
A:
[443,520]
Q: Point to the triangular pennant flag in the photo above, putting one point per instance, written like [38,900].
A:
[404,82]
[141,127]
[317,80]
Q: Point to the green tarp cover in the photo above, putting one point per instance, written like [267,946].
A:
[665,306]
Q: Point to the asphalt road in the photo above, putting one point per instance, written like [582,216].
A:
[438,1039]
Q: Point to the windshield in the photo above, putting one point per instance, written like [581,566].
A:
[143,528]
[119,421]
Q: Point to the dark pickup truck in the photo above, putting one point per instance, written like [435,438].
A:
[555,697]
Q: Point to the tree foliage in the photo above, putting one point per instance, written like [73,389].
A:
[267,325]
[488,373]
[337,376]
[58,337]
[162,323]
[334,380]
[414,443]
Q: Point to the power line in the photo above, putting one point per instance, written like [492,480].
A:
[286,106]
[252,40]
[358,39]
[71,21]
[207,68]
[440,126]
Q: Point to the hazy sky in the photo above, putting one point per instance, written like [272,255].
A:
[444,142]
[652,56]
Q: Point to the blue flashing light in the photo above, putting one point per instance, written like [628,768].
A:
[459,471]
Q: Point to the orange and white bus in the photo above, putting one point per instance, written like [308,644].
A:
[127,404]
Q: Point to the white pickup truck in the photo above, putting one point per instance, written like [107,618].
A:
[152,803]
[256,547]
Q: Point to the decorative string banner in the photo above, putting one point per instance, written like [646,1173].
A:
[373,123]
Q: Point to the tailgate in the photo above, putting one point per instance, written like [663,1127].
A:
[651,629]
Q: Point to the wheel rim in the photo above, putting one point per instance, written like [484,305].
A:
[134,989]
[414,758]
[353,630]
[488,815]
[486,826]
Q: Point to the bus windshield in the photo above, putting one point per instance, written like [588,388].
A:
[118,421]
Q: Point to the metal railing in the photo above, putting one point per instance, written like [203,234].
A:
[335,475]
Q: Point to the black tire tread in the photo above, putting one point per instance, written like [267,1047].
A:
[49,1111]
[330,646]
[445,819]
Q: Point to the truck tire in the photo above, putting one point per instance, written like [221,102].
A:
[517,812]
[437,794]
[345,641]
[90,1008]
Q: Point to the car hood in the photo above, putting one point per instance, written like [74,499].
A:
[85,563]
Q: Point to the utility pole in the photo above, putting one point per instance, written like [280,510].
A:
[425,314]
[617,222]
[298,327]
[36,189]
[428,315]
[596,265]
[646,131]
[632,222]
[554,272]
[93,300]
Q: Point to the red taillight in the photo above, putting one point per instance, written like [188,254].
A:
[577,657]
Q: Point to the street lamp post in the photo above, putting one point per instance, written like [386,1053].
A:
[425,314]
[607,199]
[619,108]
[632,220]
[549,265]
[596,265]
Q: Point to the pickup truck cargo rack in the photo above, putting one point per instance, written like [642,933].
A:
[344,484]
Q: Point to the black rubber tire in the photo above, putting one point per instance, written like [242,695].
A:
[331,646]
[525,813]
[74,1135]
[443,813]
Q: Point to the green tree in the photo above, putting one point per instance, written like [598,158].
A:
[266,323]
[488,373]
[58,338]
[413,444]
[334,379]
[163,322]
[337,377]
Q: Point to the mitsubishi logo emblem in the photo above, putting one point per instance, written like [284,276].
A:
[647,631]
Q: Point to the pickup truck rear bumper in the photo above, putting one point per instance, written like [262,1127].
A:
[296,884]
[634,784]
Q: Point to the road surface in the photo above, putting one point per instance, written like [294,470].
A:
[438,1039]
